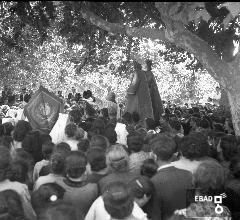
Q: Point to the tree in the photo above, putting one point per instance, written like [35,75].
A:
[205,33]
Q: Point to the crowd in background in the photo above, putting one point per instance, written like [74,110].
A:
[112,165]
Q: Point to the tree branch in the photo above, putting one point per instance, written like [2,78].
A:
[180,36]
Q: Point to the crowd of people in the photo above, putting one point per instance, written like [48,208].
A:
[102,161]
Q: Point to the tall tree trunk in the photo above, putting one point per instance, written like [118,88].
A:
[234,101]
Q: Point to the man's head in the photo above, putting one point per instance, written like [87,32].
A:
[164,147]
[75,164]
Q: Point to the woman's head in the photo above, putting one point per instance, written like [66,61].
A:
[117,158]
[118,201]
[209,178]
[96,158]
[141,189]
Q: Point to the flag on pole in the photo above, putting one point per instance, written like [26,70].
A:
[43,110]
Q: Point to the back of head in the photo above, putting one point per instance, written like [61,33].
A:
[135,117]
[46,195]
[19,171]
[117,158]
[57,162]
[163,146]
[141,186]
[32,144]
[99,141]
[135,143]
[60,211]
[5,163]
[98,127]
[71,130]
[150,124]
[149,168]
[7,128]
[209,178]
[111,97]
[127,116]
[20,130]
[11,206]
[118,201]
[62,147]
[194,146]
[104,112]
[75,164]
[97,159]
[47,150]
[111,134]
[83,145]
[6,141]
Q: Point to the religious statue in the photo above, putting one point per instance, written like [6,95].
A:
[138,94]
[154,93]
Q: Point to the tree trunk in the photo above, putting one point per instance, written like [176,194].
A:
[234,101]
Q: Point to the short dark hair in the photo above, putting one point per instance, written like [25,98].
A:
[32,144]
[21,129]
[127,116]
[75,164]
[70,130]
[104,112]
[83,145]
[19,171]
[47,150]
[57,162]
[175,124]
[99,141]
[135,143]
[194,146]
[63,147]
[8,128]
[163,146]
[117,200]
[96,158]
[151,124]
[204,123]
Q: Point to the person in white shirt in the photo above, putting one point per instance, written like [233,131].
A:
[71,132]
[116,203]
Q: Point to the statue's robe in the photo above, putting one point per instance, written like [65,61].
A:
[138,96]
[155,96]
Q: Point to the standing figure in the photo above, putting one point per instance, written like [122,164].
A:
[154,93]
[138,95]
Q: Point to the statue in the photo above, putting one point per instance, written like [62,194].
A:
[138,94]
[154,93]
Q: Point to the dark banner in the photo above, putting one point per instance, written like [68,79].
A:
[43,110]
